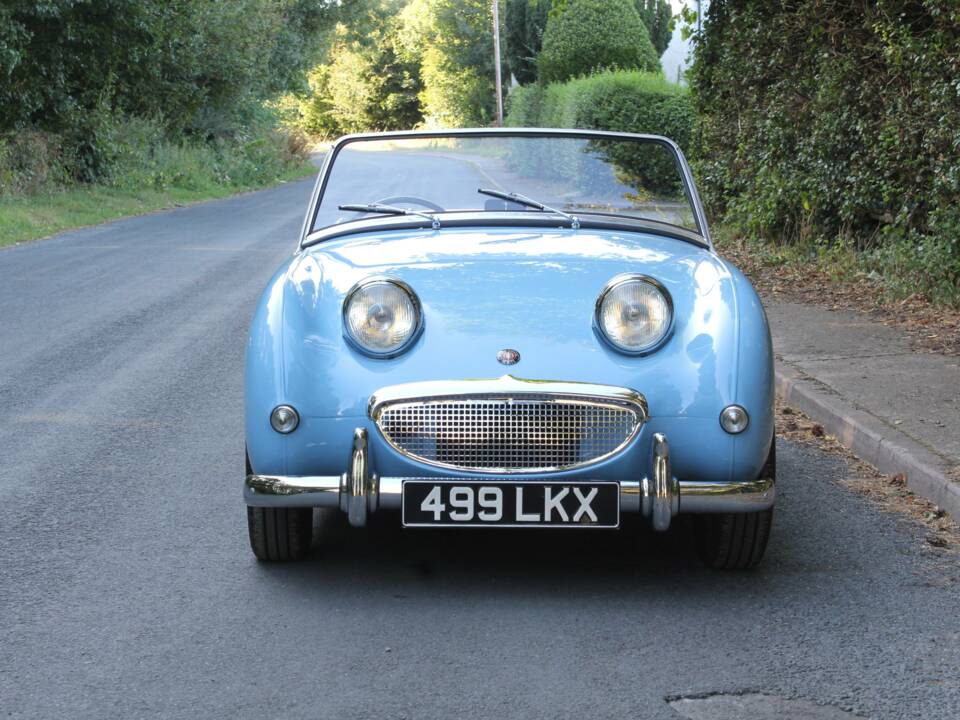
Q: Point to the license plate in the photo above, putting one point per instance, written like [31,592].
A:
[500,503]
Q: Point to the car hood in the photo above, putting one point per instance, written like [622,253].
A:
[534,291]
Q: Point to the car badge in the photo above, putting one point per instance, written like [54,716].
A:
[508,357]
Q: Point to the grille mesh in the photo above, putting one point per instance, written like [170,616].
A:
[529,434]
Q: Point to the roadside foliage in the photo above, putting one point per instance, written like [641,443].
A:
[121,91]
[624,100]
[588,35]
[429,63]
[827,124]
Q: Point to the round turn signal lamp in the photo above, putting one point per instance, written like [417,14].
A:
[734,419]
[284,419]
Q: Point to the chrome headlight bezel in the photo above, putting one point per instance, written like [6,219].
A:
[374,352]
[616,282]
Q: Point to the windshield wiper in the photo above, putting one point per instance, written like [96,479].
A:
[392,210]
[530,202]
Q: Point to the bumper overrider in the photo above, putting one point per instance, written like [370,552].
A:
[508,428]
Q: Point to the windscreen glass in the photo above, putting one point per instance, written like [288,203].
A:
[626,177]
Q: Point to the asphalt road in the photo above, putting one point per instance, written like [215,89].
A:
[127,589]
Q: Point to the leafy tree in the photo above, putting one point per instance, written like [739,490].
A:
[589,35]
[397,86]
[367,80]
[454,41]
[657,16]
[524,23]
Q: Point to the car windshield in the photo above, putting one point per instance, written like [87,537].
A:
[615,176]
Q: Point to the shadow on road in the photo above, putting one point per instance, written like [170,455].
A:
[505,562]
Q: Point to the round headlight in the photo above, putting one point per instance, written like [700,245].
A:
[381,316]
[634,313]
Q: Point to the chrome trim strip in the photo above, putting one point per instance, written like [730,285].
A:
[391,492]
[505,385]
[658,496]
[324,491]
[292,491]
[508,387]
[631,496]
[727,497]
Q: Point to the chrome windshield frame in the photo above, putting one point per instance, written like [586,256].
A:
[683,167]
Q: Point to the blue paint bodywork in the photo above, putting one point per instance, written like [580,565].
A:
[532,289]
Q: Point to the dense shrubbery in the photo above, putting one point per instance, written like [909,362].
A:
[139,153]
[622,100]
[833,122]
[588,35]
[81,79]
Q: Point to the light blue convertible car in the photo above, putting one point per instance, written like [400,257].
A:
[509,328]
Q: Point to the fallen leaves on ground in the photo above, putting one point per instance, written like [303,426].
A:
[888,492]
[932,328]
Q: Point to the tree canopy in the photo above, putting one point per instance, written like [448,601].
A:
[525,21]
[657,16]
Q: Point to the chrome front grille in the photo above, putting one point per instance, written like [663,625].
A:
[510,432]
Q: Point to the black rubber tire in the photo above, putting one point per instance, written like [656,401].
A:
[736,541]
[279,534]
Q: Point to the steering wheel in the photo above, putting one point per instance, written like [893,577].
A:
[394,199]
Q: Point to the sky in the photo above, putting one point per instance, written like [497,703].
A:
[675,56]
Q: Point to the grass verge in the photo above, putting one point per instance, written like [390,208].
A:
[29,217]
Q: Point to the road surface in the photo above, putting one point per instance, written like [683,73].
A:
[128,590]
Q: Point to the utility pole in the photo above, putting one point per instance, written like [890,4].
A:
[496,60]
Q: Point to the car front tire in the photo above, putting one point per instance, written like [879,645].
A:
[278,534]
[737,541]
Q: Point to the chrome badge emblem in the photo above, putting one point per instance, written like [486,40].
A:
[508,357]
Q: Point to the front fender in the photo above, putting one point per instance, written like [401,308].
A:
[265,377]
[754,380]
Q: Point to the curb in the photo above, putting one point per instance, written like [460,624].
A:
[868,437]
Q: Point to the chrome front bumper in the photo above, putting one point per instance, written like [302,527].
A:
[659,496]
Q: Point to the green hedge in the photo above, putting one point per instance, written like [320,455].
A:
[620,100]
[588,35]
[826,122]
